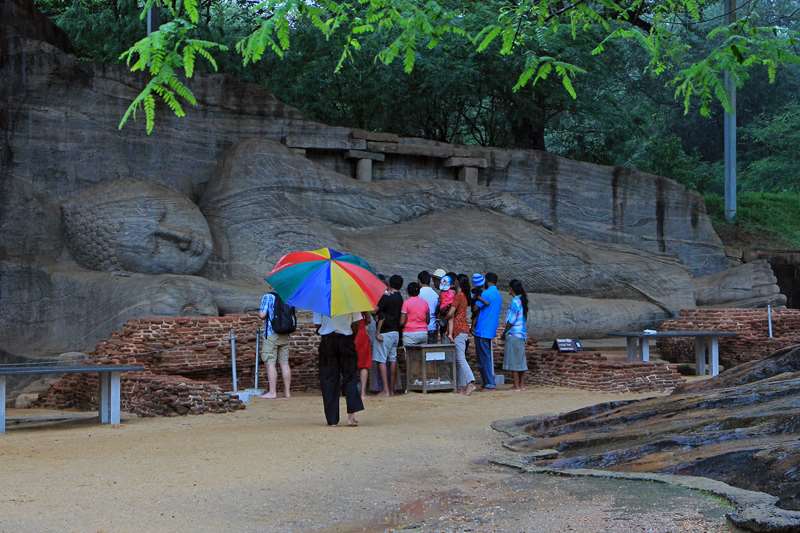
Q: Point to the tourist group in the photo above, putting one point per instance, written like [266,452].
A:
[351,344]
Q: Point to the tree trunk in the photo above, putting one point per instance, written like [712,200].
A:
[528,133]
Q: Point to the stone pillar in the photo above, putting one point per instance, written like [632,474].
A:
[364,161]
[364,169]
[468,175]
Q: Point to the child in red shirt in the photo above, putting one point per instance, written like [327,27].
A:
[364,352]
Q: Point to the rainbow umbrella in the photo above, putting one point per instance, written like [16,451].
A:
[326,281]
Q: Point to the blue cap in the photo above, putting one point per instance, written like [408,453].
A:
[478,280]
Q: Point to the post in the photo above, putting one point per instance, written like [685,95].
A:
[258,353]
[468,175]
[364,170]
[769,319]
[730,131]
[645,342]
[2,404]
[700,355]
[234,384]
[632,345]
[105,397]
[714,355]
[114,383]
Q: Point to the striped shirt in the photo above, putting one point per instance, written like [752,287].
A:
[516,317]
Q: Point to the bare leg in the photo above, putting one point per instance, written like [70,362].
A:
[393,378]
[522,381]
[363,375]
[286,374]
[384,379]
[272,377]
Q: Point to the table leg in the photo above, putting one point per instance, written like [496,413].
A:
[2,404]
[645,342]
[115,398]
[714,355]
[424,372]
[709,357]
[700,355]
[455,374]
[632,347]
[105,397]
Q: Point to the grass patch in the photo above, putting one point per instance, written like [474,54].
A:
[763,219]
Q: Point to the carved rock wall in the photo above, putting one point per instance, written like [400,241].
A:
[569,229]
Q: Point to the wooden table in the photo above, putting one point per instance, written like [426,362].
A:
[109,385]
[706,346]
[424,358]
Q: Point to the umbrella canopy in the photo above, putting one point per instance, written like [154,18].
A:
[326,281]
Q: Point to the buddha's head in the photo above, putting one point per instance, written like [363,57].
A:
[136,226]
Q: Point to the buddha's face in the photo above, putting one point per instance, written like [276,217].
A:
[136,226]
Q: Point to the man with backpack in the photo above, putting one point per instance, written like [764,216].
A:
[279,321]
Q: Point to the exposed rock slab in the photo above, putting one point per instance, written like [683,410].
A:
[741,428]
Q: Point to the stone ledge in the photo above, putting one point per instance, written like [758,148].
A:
[477,162]
[378,136]
[363,154]
[324,142]
[438,151]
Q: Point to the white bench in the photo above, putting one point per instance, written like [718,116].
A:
[706,346]
[109,385]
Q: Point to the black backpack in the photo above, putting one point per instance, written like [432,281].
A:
[283,319]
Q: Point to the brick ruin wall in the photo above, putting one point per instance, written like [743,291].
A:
[187,366]
[752,341]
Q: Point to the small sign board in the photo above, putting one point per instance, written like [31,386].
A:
[434,356]
[567,345]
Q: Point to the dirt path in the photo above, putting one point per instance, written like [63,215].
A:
[417,462]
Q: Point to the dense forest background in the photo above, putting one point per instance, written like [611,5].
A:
[455,94]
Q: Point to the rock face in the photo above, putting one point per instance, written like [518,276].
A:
[100,225]
[742,427]
[265,190]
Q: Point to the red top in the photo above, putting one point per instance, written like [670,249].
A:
[415,309]
[460,318]
[363,348]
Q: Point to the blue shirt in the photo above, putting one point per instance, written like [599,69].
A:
[516,317]
[268,307]
[489,316]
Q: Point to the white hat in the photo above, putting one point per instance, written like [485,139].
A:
[439,273]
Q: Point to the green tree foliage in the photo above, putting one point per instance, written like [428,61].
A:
[463,90]
[528,29]
[772,159]
[100,29]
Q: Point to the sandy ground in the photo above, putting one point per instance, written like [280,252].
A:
[416,463]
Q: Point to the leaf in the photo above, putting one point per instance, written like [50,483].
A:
[188,61]
[567,83]
[408,60]
[149,112]
[489,37]
[191,9]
